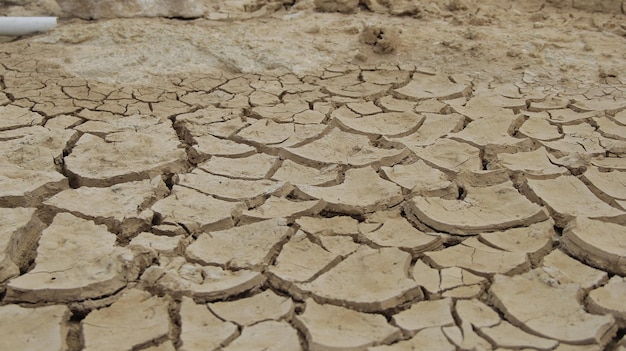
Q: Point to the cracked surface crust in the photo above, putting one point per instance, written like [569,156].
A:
[359,202]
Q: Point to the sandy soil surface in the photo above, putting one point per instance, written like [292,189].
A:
[448,176]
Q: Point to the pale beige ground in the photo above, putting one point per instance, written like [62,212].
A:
[270,180]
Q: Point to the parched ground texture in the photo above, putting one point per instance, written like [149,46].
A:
[275,180]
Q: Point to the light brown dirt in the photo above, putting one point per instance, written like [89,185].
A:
[314,175]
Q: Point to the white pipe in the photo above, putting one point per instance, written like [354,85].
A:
[15,26]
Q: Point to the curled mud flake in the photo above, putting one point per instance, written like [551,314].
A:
[298,174]
[608,186]
[426,339]
[421,179]
[540,129]
[450,155]
[398,232]
[252,167]
[580,202]
[566,270]
[267,134]
[133,321]
[426,314]
[434,127]
[268,335]
[201,329]
[76,260]
[390,124]
[19,233]
[351,197]
[251,246]
[556,312]
[483,209]
[328,327]
[531,165]
[424,86]
[609,299]
[37,328]
[353,283]
[598,243]
[260,307]
[278,207]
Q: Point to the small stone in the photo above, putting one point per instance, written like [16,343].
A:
[267,336]
[352,197]
[555,312]
[598,243]
[353,283]
[33,329]
[201,329]
[255,309]
[329,327]
[133,321]
[483,209]
[580,201]
[76,260]
[250,246]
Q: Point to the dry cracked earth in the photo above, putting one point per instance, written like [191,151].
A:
[386,206]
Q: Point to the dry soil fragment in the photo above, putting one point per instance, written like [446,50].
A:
[353,283]
[598,243]
[602,104]
[298,174]
[610,163]
[399,233]
[14,117]
[211,121]
[345,149]
[126,156]
[533,164]
[426,339]
[609,299]
[606,185]
[122,207]
[421,179]
[426,314]
[340,225]
[472,315]
[279,207]
[201,329]
[196,211]
[33,329]
[390,124]
[448,282]
[567,270]
[483,209]
[250,246]
[164,245]
[269,134]
[610,129]
[328,327]
[424,86]
[27,166]
[283,112]
[251,191]
[492,135]
[208,145]
[450,155]
[507,335]
[555,312]
[580,201]
[568,117]
[19,231]
[135,320]
[76,260]
[479,258]
[207,283]
[266,336]
[364,108]
[300,260]
[251,310]
[539,128]
[534,240]
[252,167]
[432,129]
[352,197]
